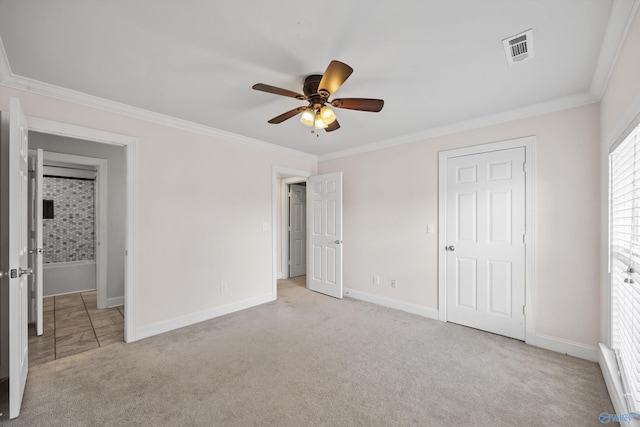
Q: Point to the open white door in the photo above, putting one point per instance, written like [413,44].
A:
[18,256]
[297,230]
[37,239]
[324,230]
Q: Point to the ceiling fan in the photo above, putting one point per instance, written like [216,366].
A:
[317,89]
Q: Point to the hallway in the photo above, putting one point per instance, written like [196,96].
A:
[72,324]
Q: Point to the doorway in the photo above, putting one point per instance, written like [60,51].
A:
[486,237]
[297,229]
[71,312]
[282,178]
[126,200]
[324,235]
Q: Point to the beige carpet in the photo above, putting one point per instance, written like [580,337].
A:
[311,360]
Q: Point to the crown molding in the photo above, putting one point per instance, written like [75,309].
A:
[68,95]
[622,14]
[564,103]
[40,88]
[5,69]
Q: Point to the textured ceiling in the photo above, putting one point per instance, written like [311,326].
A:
[435,63]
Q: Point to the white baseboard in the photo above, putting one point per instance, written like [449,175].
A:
[115,301]
[68,293]
[190,319]
[430,313]
[560,345]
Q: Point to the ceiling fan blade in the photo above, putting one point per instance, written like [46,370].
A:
[360,104]
[285,116]
[334,76]
[278,91]
[333,126]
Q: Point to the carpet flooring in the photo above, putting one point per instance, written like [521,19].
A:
[311,360]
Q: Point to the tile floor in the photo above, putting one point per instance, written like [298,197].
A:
[72,324]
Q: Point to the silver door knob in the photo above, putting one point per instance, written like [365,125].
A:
[450,248]
[337,242]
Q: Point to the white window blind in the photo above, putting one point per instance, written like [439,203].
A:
[625,262]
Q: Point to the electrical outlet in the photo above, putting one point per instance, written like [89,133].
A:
[223,287]
[266,226]
[394,283]
[431,228]
[376,279]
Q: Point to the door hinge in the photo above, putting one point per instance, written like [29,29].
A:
[524,310]
[290,194]
[524,239]
[524,167]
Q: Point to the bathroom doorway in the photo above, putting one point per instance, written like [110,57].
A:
[83,247]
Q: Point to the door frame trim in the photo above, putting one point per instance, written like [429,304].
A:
[101,220]
[529,144]
[282,173]
[131,146]
[285,235]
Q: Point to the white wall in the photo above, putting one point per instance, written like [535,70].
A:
[390,196]
[116,197]
[201,204]
[619,105]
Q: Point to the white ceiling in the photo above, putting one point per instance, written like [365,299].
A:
[435,63]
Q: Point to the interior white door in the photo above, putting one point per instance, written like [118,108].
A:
[324,241]
[37,239]
[485,252]
[18,255]
[297,230]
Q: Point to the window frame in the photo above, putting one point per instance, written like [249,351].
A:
[626,363]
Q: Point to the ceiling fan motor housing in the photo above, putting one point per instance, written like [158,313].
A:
[311,83]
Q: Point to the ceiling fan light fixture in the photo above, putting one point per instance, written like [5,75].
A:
[319,123]
[308,117]
[327,114]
